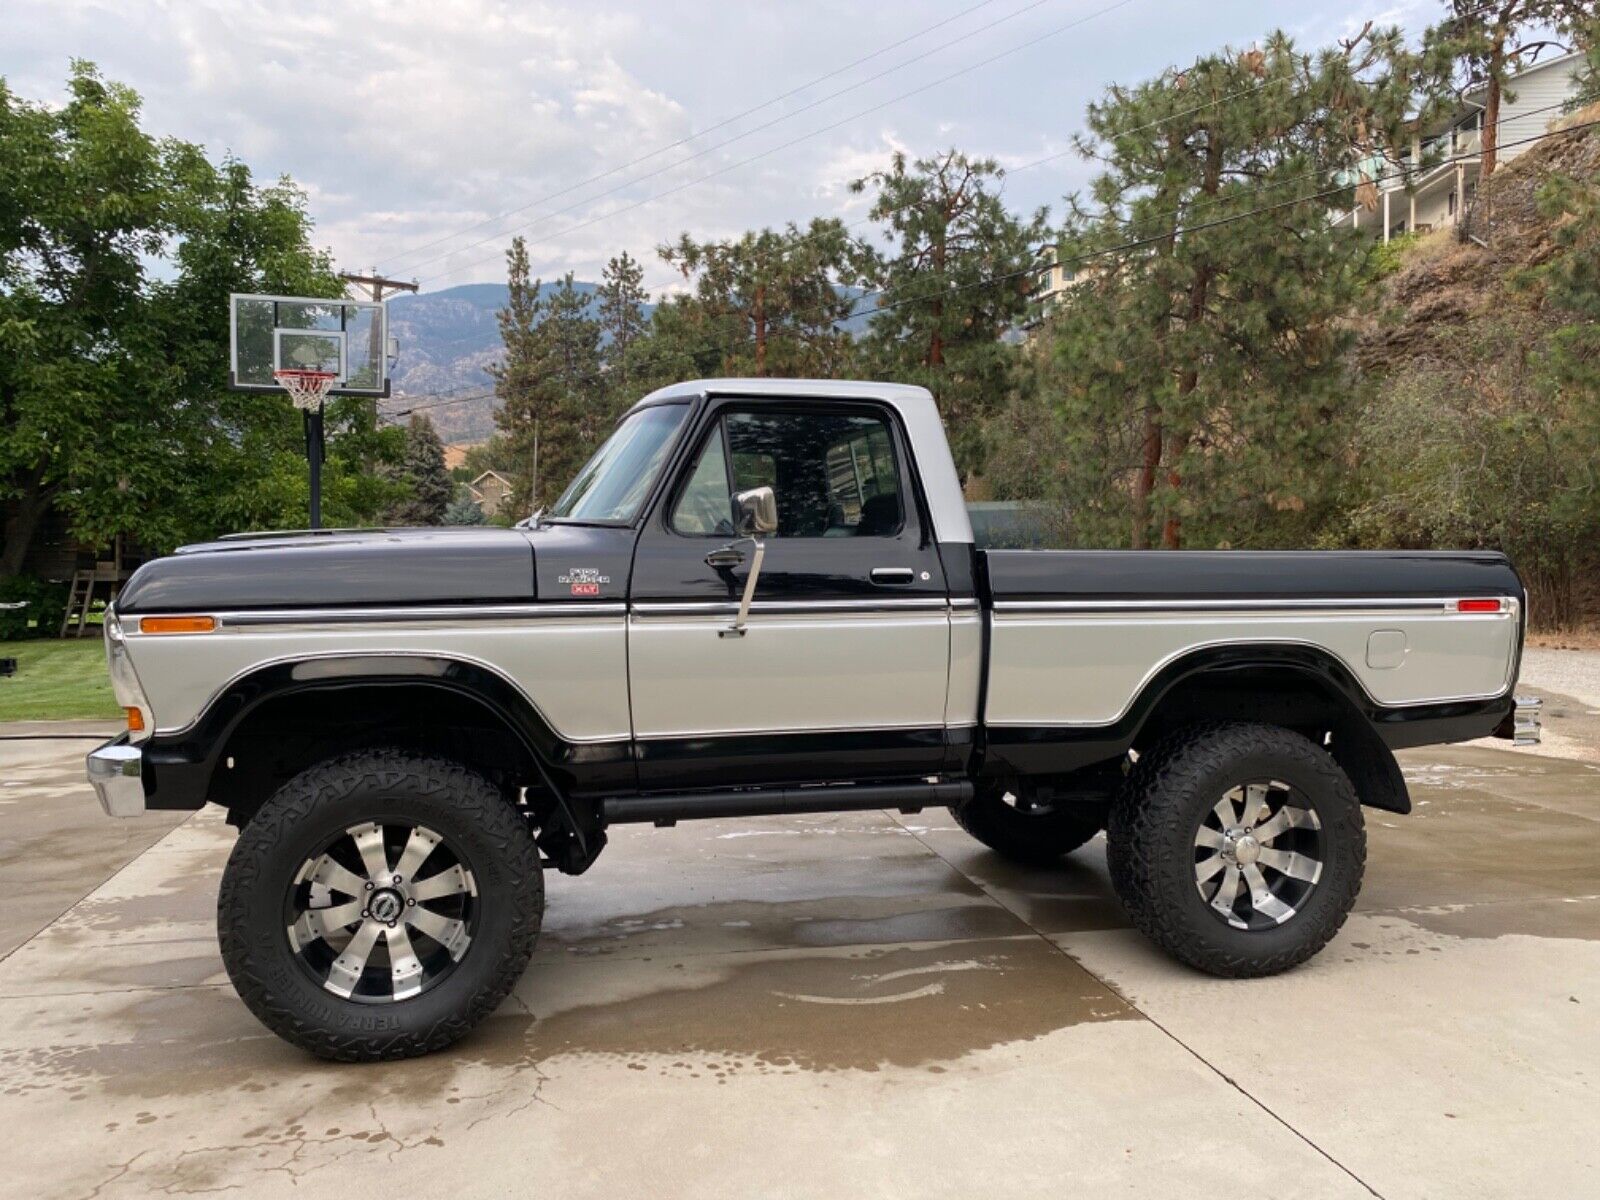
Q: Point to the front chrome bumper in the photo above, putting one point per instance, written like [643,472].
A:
[116,770]
[1525,724]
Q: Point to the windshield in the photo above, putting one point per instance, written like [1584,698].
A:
[614,483]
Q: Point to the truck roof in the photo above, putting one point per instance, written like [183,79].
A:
[917,410]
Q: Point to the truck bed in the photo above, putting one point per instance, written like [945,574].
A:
[1076,637]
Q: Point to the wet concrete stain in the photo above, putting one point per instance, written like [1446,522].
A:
[875,1008]
[750,924]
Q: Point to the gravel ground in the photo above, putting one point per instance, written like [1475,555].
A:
[1574,673]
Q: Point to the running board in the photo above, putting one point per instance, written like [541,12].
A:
[766,802]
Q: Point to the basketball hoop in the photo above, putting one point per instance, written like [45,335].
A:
[307,389]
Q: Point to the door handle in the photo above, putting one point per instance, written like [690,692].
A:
[725,558]
[892,574]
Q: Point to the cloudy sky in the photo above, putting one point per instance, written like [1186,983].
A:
[426,134]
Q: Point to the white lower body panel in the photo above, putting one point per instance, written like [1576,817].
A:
[1087,667]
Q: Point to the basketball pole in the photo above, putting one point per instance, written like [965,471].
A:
[314,449]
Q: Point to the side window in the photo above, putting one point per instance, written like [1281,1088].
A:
[834,474]
[706,505]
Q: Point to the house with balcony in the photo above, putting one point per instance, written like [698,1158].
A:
[1434,183]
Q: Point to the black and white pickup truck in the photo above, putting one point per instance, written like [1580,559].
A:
[762,597]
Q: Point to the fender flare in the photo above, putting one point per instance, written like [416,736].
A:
[183,763]
[1356,745]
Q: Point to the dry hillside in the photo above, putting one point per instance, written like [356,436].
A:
[1445,286]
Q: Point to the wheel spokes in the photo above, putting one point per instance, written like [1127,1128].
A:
[1227,892]
[1261,897]
[340,879]
[405,969]
[418,846]
[369,844]
[345,973]
[450,934]
[337,918]
[1288,862]
[1208,867]
[451,882]
[1255,805]
[1225,810]
[1209,839]
[1286,818]
[317,923]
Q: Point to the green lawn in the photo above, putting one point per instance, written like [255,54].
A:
[57,681]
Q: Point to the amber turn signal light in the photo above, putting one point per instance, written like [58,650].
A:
[135,720]
[177,624]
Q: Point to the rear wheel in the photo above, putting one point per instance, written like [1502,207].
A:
[1017,822]
[1239,849]
[380,905]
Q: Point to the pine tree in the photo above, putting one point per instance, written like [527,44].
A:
[464,510]
[772,301]
[1480,46]
[954,286]
[1194,372]
[621,301]
[552,411]
[425,475]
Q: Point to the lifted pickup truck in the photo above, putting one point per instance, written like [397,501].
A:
[763,597]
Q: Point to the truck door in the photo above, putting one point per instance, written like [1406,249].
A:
[842,667]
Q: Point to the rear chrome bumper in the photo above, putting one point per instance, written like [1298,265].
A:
[1525,724]
[116,770]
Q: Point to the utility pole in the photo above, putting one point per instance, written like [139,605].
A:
[376,286]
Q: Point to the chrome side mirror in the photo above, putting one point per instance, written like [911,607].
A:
[755,512]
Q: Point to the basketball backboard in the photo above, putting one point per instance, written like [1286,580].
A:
[347,337]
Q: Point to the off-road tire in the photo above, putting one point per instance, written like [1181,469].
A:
[443,795]
[1032,839]
[1151,854]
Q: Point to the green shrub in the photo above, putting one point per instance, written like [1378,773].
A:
[46,603]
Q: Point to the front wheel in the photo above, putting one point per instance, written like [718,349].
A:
[380,905]
[1238,848]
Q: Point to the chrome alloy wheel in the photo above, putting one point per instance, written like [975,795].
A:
[383,912]
[1258,855]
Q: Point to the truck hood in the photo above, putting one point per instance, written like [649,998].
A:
[339,568]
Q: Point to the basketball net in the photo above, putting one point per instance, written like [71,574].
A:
[307,389]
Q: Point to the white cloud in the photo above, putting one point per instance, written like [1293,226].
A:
[410,120]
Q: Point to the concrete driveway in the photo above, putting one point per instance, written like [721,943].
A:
[866,1005]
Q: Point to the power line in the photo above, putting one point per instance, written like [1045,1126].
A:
[1107,251]
[405,255]
[967,70]
[722,124]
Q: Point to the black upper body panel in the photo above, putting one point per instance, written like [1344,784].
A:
[338,568]
[1021,575]
[582,562]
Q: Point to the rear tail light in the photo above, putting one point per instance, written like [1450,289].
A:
[1479,606]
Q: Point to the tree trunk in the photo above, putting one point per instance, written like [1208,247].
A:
[1172,528]
[759,316]
[1145,481]
[23,523]
[1491,112]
